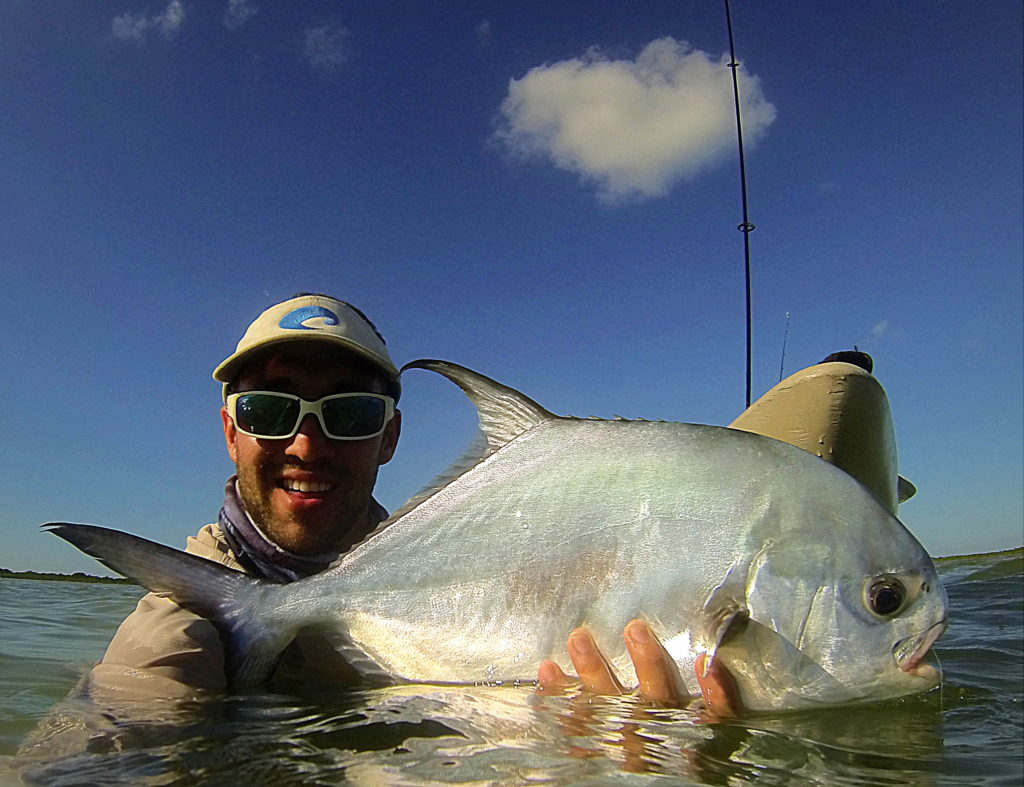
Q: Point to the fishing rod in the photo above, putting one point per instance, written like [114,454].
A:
[745,227]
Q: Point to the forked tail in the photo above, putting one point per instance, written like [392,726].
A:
[231,600]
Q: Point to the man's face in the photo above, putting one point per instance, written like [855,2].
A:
[309,493]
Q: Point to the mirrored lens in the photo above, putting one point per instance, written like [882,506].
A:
[353,416]
[263,414]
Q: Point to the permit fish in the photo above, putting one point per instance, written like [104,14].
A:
[782,566]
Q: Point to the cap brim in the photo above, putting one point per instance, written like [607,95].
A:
[229,368]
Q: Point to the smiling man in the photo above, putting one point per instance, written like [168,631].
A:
[309,417]
[310,489]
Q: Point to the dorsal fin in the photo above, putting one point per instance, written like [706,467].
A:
[504,415]
[504,412]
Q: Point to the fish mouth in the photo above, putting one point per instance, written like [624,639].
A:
[911,651]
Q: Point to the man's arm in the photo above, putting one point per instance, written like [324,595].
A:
[161,650]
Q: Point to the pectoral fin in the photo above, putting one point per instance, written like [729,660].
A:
[720,627]
[725,615]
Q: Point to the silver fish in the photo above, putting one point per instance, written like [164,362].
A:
[787,569]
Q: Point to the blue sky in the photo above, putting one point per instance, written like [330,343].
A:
[545,192]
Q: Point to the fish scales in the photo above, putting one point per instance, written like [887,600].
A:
[725,541]
[585,537]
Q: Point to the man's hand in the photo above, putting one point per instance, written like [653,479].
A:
[655,669]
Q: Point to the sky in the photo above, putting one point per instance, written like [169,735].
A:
[545,192]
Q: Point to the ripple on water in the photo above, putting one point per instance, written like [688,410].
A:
[968,732]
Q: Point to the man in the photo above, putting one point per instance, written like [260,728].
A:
[303,492]
[309,417]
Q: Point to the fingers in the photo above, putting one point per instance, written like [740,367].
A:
[595,674]
[655,670]
[721,697]
[551,678]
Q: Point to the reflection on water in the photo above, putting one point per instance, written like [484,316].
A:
[429,736]
[420,735]
[967,732]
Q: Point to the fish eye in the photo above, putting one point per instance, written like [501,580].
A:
[886,596]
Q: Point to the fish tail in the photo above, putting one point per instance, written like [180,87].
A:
[233,602]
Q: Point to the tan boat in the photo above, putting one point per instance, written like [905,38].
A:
[838,410]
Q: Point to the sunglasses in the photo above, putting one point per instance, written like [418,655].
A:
[272,415]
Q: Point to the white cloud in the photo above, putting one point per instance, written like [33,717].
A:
[239,12]
[632,127]
[172,18]
[484,34]
[327,46]
[880,330]
[130,27]
[134,27]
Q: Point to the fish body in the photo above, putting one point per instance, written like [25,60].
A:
[805,586]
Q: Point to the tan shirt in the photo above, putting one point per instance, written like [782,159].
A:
[163,650]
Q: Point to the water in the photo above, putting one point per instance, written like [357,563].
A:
[968,732]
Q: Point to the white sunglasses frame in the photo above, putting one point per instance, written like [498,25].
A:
[306,407]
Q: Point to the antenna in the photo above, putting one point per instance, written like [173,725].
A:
[785,337]
[746,227]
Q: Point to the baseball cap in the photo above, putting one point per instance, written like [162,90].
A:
[310,318]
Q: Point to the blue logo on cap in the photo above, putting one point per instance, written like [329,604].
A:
[296,320]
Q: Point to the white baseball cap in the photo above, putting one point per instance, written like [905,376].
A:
[317,318]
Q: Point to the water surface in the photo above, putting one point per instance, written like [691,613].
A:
[970,731]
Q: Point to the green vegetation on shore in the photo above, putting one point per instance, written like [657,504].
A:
[1015,552]
[78,576]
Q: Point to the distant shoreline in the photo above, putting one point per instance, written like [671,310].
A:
[1010,551]
[78,576]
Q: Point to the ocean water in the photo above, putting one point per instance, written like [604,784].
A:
[970,731]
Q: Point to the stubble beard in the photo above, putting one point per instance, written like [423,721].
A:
[294,535]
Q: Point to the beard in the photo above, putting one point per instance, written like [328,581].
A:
[329,531]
